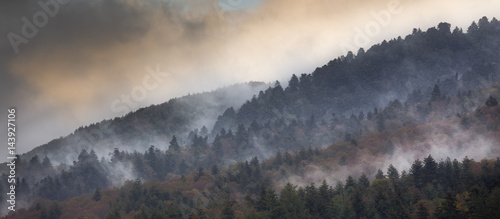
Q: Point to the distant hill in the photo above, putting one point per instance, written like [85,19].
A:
[153,125]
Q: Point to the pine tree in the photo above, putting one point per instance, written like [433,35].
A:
[114,214]
[448,209]
[473,28]
[254,162]
[54,211]
[392,172]
[214,170]
[204,131]
[227,210]
[466,176]
[183,167]
[117,156]
[82,157]
[476,203]
[174,145]
[169,162]
[254,127]
[97,195]
[380,175]
[278,160]
[291,203]
[223,133]
[380,123]
[417,172]
[324,198]
[491,101]
[311,199]
[151,158]
[369,115]
[272,204]
[381,202]
[422,211]
[429,170]
[241,135]
[93,157]
[261,204]
[198,174]
[34,161]
[358,205]
[293,84]
[350,182]
[46,162]
[217,147]
[436,94]
[135,192]
[363,182]
[361,116]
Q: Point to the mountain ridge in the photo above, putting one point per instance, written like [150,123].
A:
[345,102]
[323,91]
[95,134]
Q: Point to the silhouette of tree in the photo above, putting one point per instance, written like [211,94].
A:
[491,101]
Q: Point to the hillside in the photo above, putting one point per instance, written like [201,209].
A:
[404,68]
[153,125]
[324,183]
[430,95]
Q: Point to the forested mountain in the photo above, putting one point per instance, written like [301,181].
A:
[150,125]
[214,155]
[402,72]
[349,179]
[405,69]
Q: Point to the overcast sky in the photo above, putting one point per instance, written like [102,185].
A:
[75,62]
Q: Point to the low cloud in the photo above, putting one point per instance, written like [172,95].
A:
[440,141]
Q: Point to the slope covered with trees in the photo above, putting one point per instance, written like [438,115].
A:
[405,69]
[432,92]
[150,125]
[428,188]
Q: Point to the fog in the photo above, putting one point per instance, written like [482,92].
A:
[195,110]
[440,141]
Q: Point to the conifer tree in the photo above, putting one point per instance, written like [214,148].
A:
[392,172]
[227,210]
[380,175]
[491,101]
[97,195]
[174,145]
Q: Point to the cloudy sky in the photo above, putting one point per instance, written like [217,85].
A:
[68,63]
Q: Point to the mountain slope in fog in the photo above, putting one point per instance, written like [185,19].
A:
[430,86]
[155,124]
[402,68]
[391,172]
